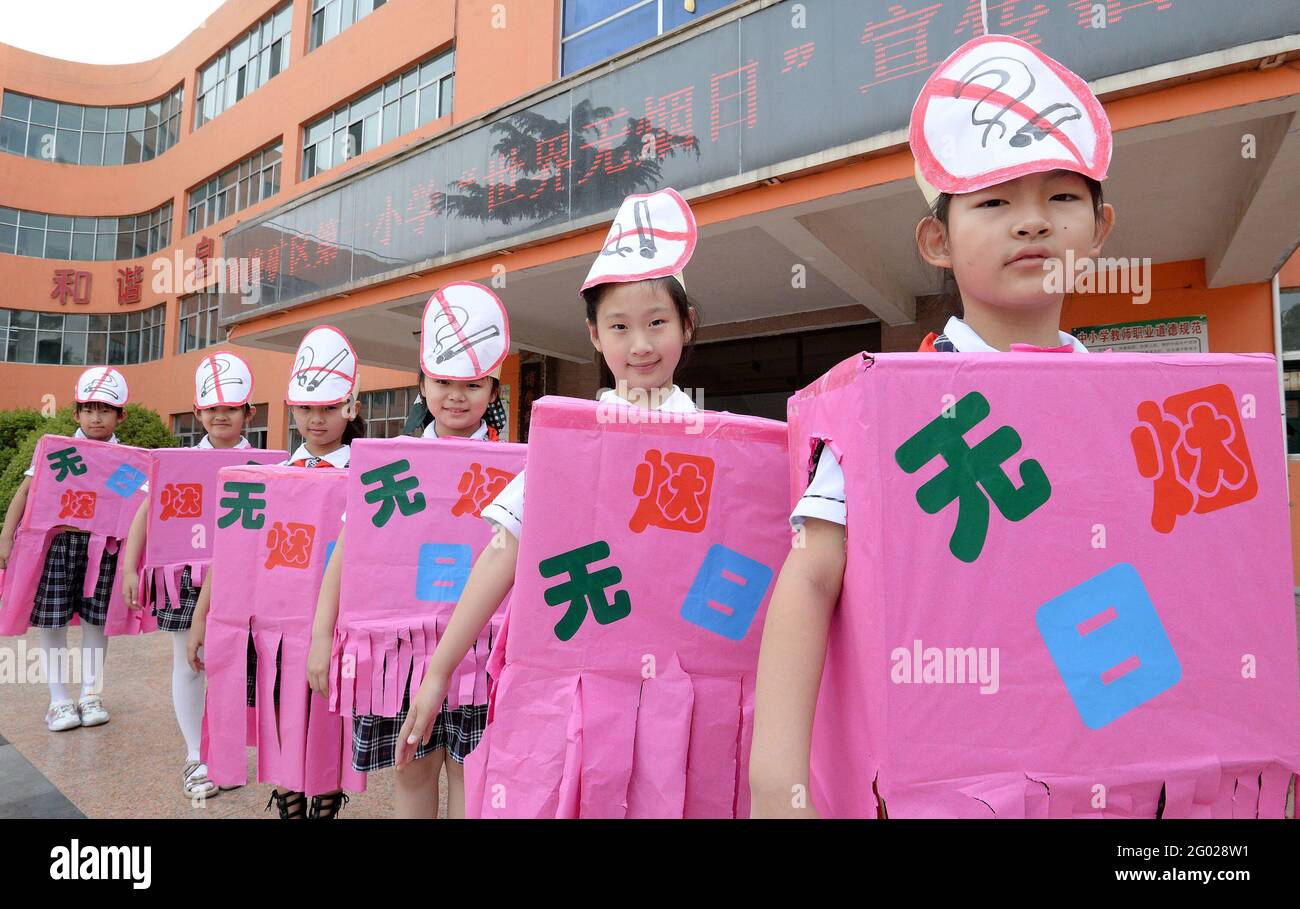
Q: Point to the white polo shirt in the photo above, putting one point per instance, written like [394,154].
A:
[339,457]
[204,443]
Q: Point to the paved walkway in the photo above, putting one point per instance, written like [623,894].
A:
[130,767]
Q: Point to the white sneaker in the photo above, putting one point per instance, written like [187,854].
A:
[62,717]
[92,711]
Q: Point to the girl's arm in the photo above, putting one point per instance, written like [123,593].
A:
[12,516]
[131,556]
[790,671]
[489,581]
[198,625]
[327,616]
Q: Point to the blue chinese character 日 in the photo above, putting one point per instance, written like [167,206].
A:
[1109,645]
[726,592]
[125,480]
[441,572]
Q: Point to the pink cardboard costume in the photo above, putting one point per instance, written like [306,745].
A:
[1055,604]
[90,486]
[182,516]
[275,527]
[631,644]
[413,534]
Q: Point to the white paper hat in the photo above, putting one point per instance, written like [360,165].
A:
[998,109]
[324,369]
[222,380]
[653,236]
[465,333]
[101,383]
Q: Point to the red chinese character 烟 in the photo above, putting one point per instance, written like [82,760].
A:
[181,500]
[478,487]
[674,491]
[1195,453]
[290,544]
[77,504]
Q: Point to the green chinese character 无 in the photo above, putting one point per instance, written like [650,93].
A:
[66,461]
[391,492]
[972,475]
[242,506]
[583,590]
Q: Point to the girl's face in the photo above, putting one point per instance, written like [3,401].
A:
[98,421]
[224,425]
[457,407]
[1002,241]
[321,426]
[640,334]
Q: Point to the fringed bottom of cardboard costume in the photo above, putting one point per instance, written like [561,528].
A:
[154,578]
[22,578]
[1213,789]
[602,744]
[301,745]
[374,660]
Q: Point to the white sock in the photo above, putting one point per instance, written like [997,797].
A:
[188,689]
[53,640]
[94,650]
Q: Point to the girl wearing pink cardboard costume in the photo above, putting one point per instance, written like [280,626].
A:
[641,320]
[1011,148]
[322,396]
[465,339]
[101,396]
[223,390]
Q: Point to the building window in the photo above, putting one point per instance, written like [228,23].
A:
[76,134]
[1289,301]
[190,431]
[198,322]
[385,413]
[250,181]
[595,30]
[330,17]
[421,94]
[30,233]
[76,339]
[244,65]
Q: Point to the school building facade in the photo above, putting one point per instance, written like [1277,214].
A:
[364,153]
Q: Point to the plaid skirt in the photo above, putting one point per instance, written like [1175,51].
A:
[252,675]
[176,619]
[60,592]
[374,738]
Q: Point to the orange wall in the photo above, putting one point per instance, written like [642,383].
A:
[1240,318]
[1289,276]
[312,84]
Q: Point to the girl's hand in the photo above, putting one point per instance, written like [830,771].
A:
[6,547]
[197,632]
[425,707]
[318,665]
[131,589]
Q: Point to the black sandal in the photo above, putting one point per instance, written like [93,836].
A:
[292,805]
[327,807]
